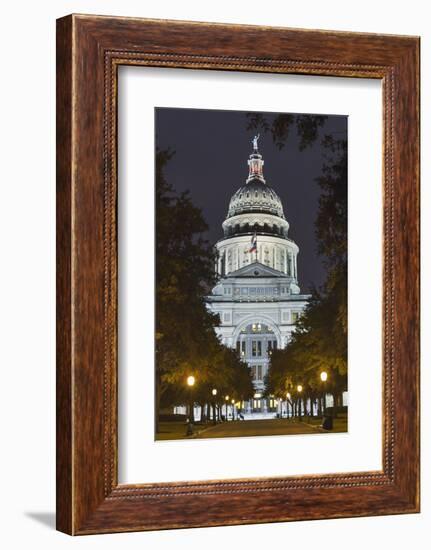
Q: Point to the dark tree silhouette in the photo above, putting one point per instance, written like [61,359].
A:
[186,342]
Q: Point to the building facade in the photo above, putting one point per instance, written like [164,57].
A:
[257,296]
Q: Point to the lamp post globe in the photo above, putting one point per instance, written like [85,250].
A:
[324,378]
[191,381]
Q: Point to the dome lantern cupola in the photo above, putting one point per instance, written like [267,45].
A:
[255,163]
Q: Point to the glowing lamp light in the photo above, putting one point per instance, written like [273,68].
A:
[233,401]
[227,398]
[190,381]
[288,395]
[214,392]
[323,376]
[299,388]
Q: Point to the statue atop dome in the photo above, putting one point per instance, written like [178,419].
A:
[254,141]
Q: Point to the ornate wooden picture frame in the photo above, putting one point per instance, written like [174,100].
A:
[89,51]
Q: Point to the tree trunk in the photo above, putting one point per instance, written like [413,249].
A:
[334,411]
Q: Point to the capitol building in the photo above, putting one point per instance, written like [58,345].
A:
[257,296]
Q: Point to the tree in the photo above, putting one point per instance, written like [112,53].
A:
[184,328]
[186,342]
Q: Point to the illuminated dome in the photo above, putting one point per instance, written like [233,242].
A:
[255,207]
[255,196]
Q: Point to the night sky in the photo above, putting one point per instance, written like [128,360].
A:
[211,152]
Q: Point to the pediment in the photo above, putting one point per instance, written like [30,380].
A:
[256,269]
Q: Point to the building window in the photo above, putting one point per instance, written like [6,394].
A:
[256,348]
[259,372]
[295,316]
[272,345]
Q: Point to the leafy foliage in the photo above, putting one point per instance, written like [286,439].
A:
[307,127]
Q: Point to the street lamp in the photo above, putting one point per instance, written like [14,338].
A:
[299,389]
[214,393]
[233,409]
[190,383]
[324,378]
[226,399]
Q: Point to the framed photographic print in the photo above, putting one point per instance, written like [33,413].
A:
[237,276]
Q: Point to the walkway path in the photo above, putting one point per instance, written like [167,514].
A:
[258,427]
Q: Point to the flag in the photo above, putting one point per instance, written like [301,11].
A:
[253,243]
